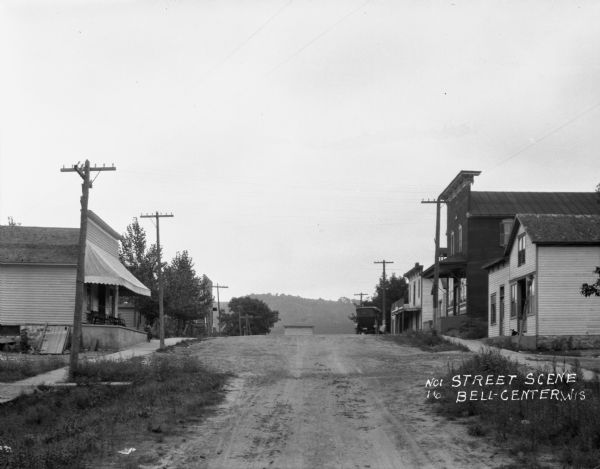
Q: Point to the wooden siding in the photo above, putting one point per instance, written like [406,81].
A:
[100,238]
[528,267]
[32,294]
[499,276]
[427,301]
[507,275]
[414,291]
[562,309]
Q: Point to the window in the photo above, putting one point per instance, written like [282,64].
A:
[460,238]
[501,302]
[452,243]
[505,229]
[493,308]
[513,300]
[414,293]
[521,249]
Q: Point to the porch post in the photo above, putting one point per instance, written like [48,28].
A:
[116,301]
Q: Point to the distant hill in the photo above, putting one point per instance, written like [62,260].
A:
[328,317]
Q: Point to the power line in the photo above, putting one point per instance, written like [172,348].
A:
[254,34]
[316,38]
[547,134]
[237,48]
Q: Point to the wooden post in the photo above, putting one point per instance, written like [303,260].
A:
[86,185]
[80,278]
[161,312]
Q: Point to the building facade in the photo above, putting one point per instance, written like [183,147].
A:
[535,288]
[417,313]
[478,225]
[38,267]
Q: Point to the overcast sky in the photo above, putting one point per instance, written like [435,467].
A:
[293,140]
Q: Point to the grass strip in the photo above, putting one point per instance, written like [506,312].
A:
[563,419]
[71,427]
[17,367]
[426,341]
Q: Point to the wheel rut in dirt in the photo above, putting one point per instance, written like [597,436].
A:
[325,401]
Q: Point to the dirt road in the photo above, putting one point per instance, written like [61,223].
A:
[327,402]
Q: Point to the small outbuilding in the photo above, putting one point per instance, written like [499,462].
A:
[298,330]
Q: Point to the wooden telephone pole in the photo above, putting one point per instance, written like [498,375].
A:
[218,287]
[384,262]
[84,171]
[161,312]
[361,294]
[436,266]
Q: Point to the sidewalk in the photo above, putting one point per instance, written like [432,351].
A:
[10,391]
[532,360]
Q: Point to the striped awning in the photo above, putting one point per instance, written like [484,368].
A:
[101,267]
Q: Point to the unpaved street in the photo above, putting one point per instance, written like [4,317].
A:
[327,401]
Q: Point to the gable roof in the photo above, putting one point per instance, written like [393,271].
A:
[102,224]
[60,246]
[508,204]
[45,245]
[38,245]
[559,228]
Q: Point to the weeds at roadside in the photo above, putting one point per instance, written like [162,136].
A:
[427,341]
[69,427]
[18,367]
[569,425]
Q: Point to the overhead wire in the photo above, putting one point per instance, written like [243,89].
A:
[240,46]
[547,135]
[317,37]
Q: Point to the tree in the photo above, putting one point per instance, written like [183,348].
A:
[260,317]
[395,289]
[142,263]
[592,289]
[187,296]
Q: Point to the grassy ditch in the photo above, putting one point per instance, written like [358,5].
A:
[15,367]
[71,427]
[427,341]
[530,411]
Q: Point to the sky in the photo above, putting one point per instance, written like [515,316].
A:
[292,140]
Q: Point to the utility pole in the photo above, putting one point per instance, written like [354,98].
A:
[385,323]
[246,324]
[161,313]
[86,185]
[361,294]
[218,287]
[436,266]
